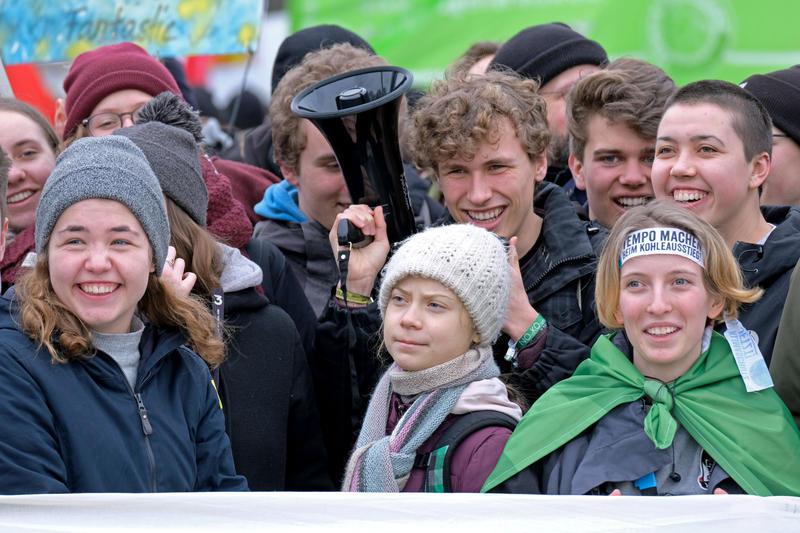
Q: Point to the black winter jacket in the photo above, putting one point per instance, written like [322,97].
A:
[266,389]
[265,384]
[770,267]
[282,288]
[79,427]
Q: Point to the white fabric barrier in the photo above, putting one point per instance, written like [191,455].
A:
[388,513]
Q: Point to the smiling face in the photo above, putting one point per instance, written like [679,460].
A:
[32,161]
[664,306]
[99,262]
[700,164]
[494,189]
[322,191]
[425,324]
[782,186]
[614,169]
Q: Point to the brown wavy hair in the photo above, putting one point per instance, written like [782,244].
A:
[721,276]
[52,325]
[195,245]
[288,138]
[476,52]
[461,112]
[629,91]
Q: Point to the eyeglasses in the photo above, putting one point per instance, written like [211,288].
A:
[776,136]
[105,123]
[562,93]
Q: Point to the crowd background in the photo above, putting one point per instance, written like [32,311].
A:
[545,115]
[689,39]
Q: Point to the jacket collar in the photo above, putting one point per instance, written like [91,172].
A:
[564,251]
[156,344]
[779,253]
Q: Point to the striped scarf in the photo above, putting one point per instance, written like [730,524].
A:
[382,463]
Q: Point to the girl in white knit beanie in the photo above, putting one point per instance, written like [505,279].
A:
[439,416]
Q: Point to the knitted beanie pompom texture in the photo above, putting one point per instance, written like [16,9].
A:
[468,260]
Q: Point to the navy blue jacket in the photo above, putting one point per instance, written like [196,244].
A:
[79,427]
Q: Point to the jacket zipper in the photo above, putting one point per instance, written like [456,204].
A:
[147,429]
[556,265]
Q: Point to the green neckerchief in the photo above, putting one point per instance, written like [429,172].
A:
[751,435]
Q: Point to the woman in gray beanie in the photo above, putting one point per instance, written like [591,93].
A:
[99,393]
[265,382]
[443,300]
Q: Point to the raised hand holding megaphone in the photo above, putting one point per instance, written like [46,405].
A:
[365,262]
[358,113]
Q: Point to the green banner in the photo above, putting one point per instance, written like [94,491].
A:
[690,39]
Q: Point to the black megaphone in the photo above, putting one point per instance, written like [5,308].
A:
[357,112]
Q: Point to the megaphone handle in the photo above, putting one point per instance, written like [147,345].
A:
[349,235]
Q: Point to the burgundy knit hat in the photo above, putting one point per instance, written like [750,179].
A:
[105,70]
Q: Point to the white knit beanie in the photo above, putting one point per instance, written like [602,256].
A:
[468,260]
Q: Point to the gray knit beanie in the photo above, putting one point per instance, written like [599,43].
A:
[175,159]
[468,260]
[110,168]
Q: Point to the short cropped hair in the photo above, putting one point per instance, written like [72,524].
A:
[461,112]
[473,54]
[629,91]
[5,166]
[288,138]
[721,276]
[749,117]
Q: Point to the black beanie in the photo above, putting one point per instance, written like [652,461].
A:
[294,48]
[779,91]
[543,52]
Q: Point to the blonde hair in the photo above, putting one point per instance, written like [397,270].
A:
[721,276]
[52,325]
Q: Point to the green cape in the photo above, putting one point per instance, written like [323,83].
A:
[751,435]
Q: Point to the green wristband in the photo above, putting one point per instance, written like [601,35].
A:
[533,330]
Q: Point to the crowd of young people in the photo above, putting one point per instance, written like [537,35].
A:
[594,303]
